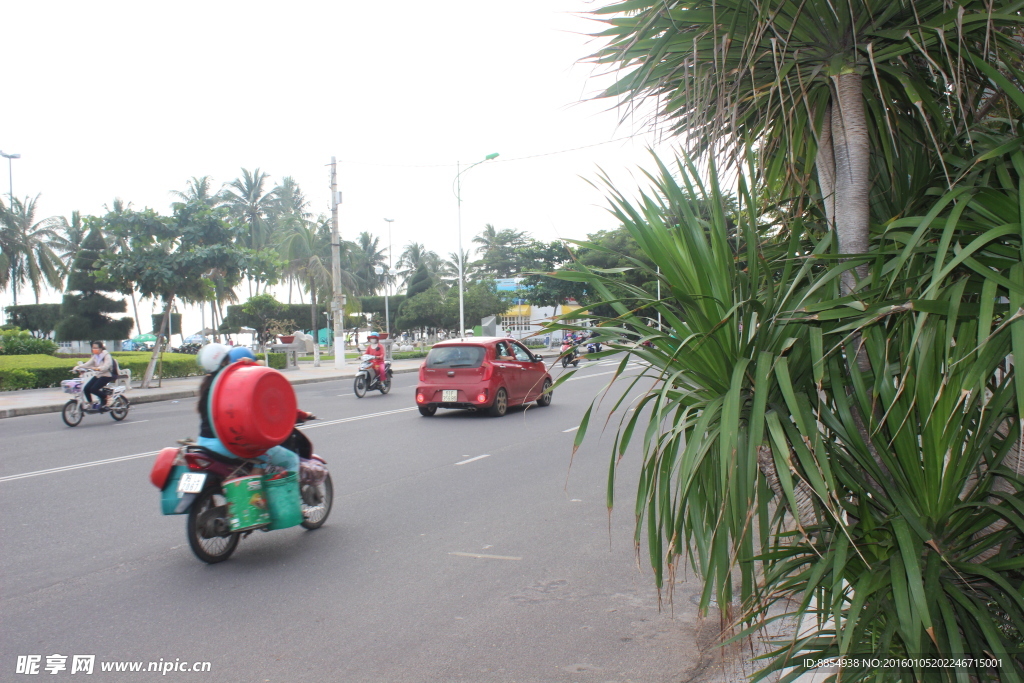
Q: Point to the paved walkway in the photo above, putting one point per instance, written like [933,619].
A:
[37,401]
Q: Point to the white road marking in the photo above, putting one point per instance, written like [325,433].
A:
[571,429]
[123,458]
[593,374]
[136,422]
[66,468]
[486,557]
[357,417]
[485,455]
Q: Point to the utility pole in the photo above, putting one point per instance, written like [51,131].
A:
[338,302]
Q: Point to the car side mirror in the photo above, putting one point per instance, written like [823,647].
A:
[538,358]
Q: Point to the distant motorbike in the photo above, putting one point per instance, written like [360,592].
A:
[75,409]
[594,347]
[569,353]
[196,481]
[367,379]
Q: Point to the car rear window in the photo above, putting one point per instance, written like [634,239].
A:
[455,357]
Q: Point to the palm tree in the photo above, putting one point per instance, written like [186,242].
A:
[30,248]
[414,255]
[366,258]
[307,251]
[70,241]
[843,87]
[291,199]
[450,269]
[198,190]
[498,250]
[248,202]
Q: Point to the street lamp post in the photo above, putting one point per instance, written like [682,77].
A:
[10,174]
[387,283]
[458,196]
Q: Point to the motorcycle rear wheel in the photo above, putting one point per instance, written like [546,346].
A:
[72,413]
[359,386]
[207,538]
[314,516]
[119,409]
[386,386]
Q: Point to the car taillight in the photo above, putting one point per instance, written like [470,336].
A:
[481,397]
[487,370]
[420,398]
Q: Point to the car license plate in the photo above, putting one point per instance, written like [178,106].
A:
[191,482]
[450,395]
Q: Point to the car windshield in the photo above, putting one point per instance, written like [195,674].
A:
[455,357]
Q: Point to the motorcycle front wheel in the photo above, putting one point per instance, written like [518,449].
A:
[119,409]
[72,413]
[565,361]
[316,503]
[208,528]
[360,386]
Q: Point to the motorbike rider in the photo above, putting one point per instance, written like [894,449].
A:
[213,358]
[103,363]
[374,348]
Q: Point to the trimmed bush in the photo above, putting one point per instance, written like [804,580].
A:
[48,371]
[13,378]
[277,360]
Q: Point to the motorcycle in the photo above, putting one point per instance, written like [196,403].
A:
[594,347]
[367,379]
[192,480]
[569,353]
[75,409]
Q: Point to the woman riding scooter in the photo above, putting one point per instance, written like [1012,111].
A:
[213,358]
[374,348]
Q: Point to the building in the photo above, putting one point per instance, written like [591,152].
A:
[525,320]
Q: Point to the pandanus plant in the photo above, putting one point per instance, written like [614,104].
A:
[840,468]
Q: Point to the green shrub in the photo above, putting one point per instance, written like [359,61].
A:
[13,378]
[19,343]
[48,371]
[277,360]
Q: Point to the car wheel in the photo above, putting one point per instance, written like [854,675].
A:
[545,397]
[500,405]
[428,411]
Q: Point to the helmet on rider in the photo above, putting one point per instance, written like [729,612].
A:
[240,352]
[212,356]
[373,336]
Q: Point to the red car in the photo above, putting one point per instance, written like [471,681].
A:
[481,373]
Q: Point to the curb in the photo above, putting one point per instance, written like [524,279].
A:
[172,396]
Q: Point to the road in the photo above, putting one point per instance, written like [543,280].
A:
[460,548]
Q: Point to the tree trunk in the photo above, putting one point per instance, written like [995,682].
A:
[825,163]
[151,368]
[135,309]
[316,327]
[851,147]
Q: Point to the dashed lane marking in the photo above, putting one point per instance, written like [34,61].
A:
[463,462]
[486,557]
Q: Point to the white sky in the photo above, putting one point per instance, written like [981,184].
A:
[131,99]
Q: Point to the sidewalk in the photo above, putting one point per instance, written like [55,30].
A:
[38,401]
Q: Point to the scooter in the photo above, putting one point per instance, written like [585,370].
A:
[193,481]
[75,409]
[367,379]
[569,353]
[594,347]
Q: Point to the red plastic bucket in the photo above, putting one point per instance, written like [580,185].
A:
[252,408]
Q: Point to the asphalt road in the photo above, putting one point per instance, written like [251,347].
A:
[460,548]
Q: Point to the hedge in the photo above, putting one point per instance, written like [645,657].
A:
[48,371]
[13,378]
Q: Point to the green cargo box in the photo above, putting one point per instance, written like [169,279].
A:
[247,503]
[285,504]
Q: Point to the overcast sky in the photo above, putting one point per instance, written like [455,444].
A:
[130,100]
